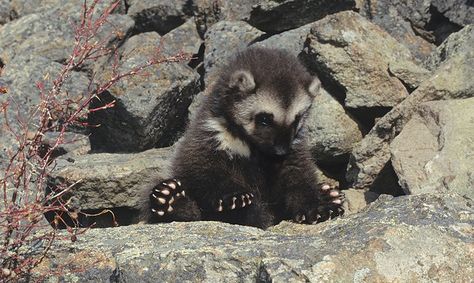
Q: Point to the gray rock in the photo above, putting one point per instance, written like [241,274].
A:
[457,11]
[21,74]
[224,39]
[355,54]
[184,38]
[452,80]
[440,151]
[411,75]
[107,180]
[20,77]
[151,109]
[415,238]
[357,200]
[159,16]
[6,12]
[419,23]
[51,35]
[456,43]
[71,145]
[291,40]
[331,132]
[23,8]
[276,16]
[209,12]
[393,17]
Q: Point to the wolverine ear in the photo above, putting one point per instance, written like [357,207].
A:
[314,86]
[243,80]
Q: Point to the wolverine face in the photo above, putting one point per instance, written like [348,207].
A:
[271,113]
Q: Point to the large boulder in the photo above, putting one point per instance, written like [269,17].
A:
[6,11]
[419,24]
[457,43]
[111,181]
[356,55]
[151,108]
[160,16]
[409,239]
[22,8]
[276,16]
[331,131]
[19,77]
[224,39]
[435,150]
[291,40]
[51,33]
[184,38]
[452,80]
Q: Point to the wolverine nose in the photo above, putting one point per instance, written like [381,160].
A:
[280,150]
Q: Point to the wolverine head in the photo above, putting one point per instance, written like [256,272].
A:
[263,99]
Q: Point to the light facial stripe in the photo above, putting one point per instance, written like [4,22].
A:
[301,103]
[260,102]
[227,142]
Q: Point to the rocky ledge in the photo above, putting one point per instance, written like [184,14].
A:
[423,238]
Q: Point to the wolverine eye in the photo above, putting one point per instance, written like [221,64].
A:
[264,119]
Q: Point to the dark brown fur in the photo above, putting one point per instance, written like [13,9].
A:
[283,185]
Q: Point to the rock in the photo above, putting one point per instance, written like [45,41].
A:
[51,35]
[412,238]
[355,54]
[456,43]
[111,181]
[452,80]
[439,156]
[161,16]
[224,39]
[457,11]
[184,38]
[20,77]
[411,75]
[150,109]
[6,12]
[23,8]
[393,19]
[277,16]
[419,23]
[72,144]
[331,131]
[357,200]
[210,12]
[291,40]
[21,74]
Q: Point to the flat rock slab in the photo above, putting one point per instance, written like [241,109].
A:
[408,239]
[356,55]
[111,180]
[435,150]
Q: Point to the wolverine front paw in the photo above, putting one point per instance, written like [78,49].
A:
[233,201]
[330,206]
[331,200]
[164,195]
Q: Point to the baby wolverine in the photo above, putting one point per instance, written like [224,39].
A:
[243,158]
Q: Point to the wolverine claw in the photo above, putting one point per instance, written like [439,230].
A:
[164,195]
[234,201]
